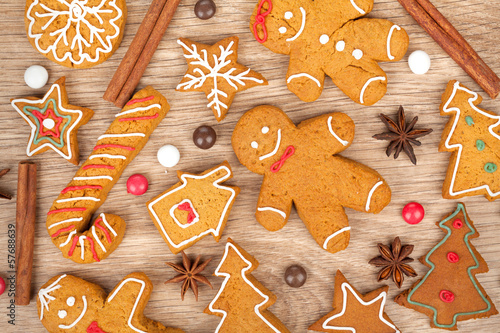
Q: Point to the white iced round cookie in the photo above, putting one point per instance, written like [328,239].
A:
[36,76]
[168,156]
[419,62]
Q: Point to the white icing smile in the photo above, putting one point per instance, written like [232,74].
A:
[65,327]
[275,150]
[303,24]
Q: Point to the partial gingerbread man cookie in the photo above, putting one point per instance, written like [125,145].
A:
[472,135]
[75,33]
[325,37]
[54,122]
[214,70]
[301,166]
[70,304]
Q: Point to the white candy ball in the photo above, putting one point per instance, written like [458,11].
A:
[168,156]
[36,76]
[419,62]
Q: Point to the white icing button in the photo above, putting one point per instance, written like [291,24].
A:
[70,301]
[48,123]
[36,76]
[168,156]
[288,15]
[357,54]
[254,144]
[324,39]
[265,129]
[282,30]
[419,62]
[340,45]
[62,314]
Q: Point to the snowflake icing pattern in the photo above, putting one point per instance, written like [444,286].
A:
[63,24]
[210,76]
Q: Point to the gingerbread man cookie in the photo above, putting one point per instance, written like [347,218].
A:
[324,37]
[70,304]
[300,166]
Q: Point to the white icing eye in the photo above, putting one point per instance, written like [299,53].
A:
[62,314]
[265,129]
[340,46]
[357,54]
[288,15]
[48,123]
[70,301]
[324,39]
[254,144]
[282,30]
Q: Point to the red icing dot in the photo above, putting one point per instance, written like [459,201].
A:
[457,224]
[452,257]
[137,184]
[446,296]
[413,213]
[2,285]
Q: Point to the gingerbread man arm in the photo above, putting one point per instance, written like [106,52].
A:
[302,79]
[273,205]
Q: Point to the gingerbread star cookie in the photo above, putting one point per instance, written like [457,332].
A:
[355,312]
[54,122]
[214,70]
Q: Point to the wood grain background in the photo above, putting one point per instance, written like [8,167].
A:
[143,248]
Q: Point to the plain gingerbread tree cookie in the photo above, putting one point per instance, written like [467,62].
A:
[326,37]
[300,165]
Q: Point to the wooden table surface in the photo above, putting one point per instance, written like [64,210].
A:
[143,249]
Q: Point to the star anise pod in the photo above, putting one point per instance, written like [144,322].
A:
[4,195]
[394,262]
[189,274]
[401,135]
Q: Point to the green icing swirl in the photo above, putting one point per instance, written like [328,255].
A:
[480,145]
[490,167]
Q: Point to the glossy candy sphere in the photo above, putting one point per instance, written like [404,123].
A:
[413,213]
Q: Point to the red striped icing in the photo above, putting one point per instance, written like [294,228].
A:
[62,210]
[83,187]
[91,241]
[113,146]
[62,230]
[72,248]
[140,118]
[145,99]
[96,223]
[98,166]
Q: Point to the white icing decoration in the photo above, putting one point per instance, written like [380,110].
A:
[282,30]
[214,73]
[335,234]
[446,108]
[66,327]
[143,286]
[357,54]
[48,123]
[254,145]
[323,39]
[80,18]
[340,46]
[186,225]
[288,15]
[107,156]
[81,240]
[143,108]
[70,301]
[76,219]
[107,224]
[391,57]
[265,130]
[33,125]
[302,25]
[370,194]
[93,178]
[62,314]
[98,240]
[381,78]
[275,150]
[345,286]
[78,199]
[216,182]
[120,135]
[71,234]
[44,295]
[243,275]
[294,76]
[361,11]
[329,122]
[282,213]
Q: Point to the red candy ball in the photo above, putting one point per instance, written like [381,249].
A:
[2,285]
[137,184]
[413,213]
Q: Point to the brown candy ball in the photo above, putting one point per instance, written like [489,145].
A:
[204,137]
[204,9]
[295,276]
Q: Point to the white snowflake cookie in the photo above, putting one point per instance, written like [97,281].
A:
[76,33]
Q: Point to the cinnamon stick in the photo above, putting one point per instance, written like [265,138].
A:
[451,41]
[147,53]
[25,230]
[134,51]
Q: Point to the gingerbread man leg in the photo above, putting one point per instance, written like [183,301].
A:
[304,79]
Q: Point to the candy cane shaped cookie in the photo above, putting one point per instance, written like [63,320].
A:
[70,214]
